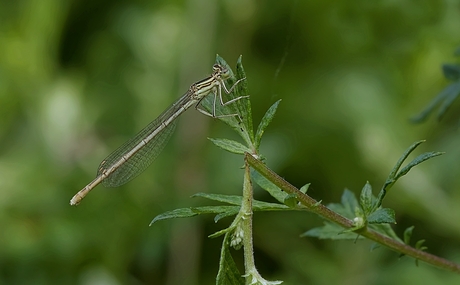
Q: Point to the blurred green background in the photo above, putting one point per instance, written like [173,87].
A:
[78,78]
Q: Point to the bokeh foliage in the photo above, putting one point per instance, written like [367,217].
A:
[78,78]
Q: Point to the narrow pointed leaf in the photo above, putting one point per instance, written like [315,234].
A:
[230,199]
[271,188]
[304,188]
[236,200]
[214,209]
[267,118]
[177,213]
[445,93]
[244,105]
[419,159]
[265,206]
[419,245]
[408,234]
[395,175]
[365,199]
[229,213]
[221,232]
[222,211]
[237,108]
[228,271]
[449,100]
[403,157]
[330,231]
[230,146]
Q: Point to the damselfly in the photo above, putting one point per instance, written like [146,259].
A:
[134,156]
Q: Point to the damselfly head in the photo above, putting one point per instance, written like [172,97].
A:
[221,70]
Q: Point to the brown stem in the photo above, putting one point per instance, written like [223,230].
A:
[334,217]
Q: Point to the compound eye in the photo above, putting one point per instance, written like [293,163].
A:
[224,72]
[221,70]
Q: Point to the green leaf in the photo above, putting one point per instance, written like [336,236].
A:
[408,234]
[230,146]
[448,95]
[350,209]
[304,188]
[419,245]
[177,213]
[242,121]
[419,159]
[385,229]
[451,71]
[244,105]
[448,102]
[236,200]
[267,118]
[228,271]
[215,209]
[222,211]
[375,246]
[348,205]
[265,206]
[271,188]
[230,199]
[365,199]
[229,213]
[395,175]
[211,209]
[221,232]
[400,161]
[382,216]
[330,231]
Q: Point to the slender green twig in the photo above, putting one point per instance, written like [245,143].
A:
[251,275]
[328,214]
[246,209]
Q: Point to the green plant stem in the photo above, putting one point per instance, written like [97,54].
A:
[246,210]
[326,213]
[306,200]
